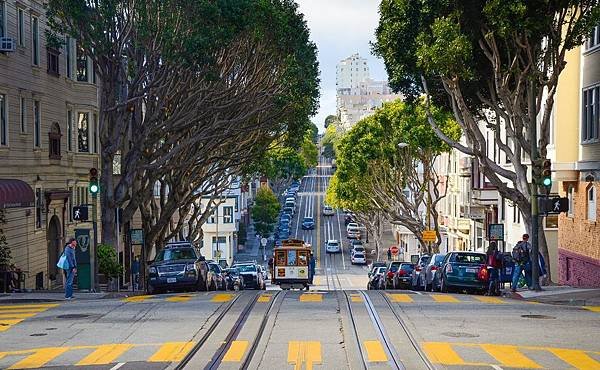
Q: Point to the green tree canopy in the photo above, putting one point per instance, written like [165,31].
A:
[265,210]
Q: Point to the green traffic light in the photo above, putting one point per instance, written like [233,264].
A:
[547,181]
[94,188]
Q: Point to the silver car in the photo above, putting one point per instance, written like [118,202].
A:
[434,264]
[418,274]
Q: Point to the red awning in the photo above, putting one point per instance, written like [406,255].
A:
[15,194]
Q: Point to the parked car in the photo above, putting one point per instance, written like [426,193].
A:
[290,203]
[251,275]
[358,258]
[418,274]
[264,273]
[373,266]
[234,279]
[354,243]
[431,270]
[391,270]
[179,266]
[288,210]
[308,223]
[460,271]
[358,249]
[328,211]
[219,275]
[377,279]
[348,218]
[290,199]
[353,230]
[333,246]
[403,277]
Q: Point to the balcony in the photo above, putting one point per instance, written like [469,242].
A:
[465,166]
[485,197]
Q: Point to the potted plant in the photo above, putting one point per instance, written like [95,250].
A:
[108,265]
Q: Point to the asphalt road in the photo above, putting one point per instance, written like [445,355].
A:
[336,325]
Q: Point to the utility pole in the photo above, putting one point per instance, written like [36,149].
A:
[535,273]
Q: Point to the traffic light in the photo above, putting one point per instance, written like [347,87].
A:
[547,174]
[94,186]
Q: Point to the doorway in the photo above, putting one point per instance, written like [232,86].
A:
[54,238]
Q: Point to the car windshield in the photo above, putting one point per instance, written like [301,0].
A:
[359,255]
[380,270]
[394,267]
[233,272]
[359,249]
[308,219]
[175,254]
[425,260]
[470,258]
[246,268]
[407,267]
[333,244]
[439,258]
[214,267]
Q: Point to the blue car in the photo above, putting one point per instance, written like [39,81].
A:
[308,223]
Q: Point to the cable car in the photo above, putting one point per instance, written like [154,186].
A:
[291,265]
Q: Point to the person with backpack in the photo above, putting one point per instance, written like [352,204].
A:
[521,257]
[68,263]
[494,264]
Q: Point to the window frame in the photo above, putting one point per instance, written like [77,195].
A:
[3,20]
[20,26]
[592,42]
[54,141]
[87,141]
[35,40]
[23,114]
[37,124]
[53,62]
[590,105]
[591,205]
[69,130]
[39,208]
[69,57]
[77,64]
[229,219]
[3,120]
[570,212]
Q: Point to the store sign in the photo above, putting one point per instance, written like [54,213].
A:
[495,232]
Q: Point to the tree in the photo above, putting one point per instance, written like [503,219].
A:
[496,65]
[331,119]
[309,152]
[375,175]
[265,210]
[281,165]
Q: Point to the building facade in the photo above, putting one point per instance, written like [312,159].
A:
[48,141]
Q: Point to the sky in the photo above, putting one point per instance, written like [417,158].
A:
[340,28]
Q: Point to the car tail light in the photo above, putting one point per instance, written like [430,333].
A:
[401,272]
[418,268]
[390,274]
[433,268]
[448,268]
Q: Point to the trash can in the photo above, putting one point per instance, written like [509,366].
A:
[507,268]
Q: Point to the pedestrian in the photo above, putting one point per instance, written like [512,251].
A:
[312,263]
[389,253]
[271,262]
[494,263]
[71,267]
[521,257]
[135,271]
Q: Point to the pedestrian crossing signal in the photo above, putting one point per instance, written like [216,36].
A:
[80,213]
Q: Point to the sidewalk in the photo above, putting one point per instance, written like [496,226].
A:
[58,296]
[252,250]
[561,295]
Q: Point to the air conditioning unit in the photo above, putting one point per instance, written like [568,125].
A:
[7,44]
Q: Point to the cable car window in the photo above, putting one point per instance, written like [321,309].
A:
[302,258]
[291,257]
[280,258]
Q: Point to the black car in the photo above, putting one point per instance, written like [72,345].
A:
[234,279]
[308,223]
[403,277]
[217,270]
[251,274]
[179,266]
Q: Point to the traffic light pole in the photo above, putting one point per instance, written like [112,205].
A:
[535,273]
[93,259]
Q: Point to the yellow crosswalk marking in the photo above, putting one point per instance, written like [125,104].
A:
[492,300]
[375,351]
[105,354]
[236,351]
[304,352]
[317,280]
[5,324]
[575,358]
[402,298]
[356,298]
[180,298]
[442,353]
[221,298]
[39,358]
[311,297]
[172,351]
[592,308]
[138,298]
[16,315]
[510,356]
[264,298]
[29,306]
[442,298]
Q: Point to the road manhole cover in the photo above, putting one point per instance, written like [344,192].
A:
[51,328]
[37,334]
[460,335]
[73,316]
[543,317]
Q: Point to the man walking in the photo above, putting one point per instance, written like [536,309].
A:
[522,259]
[312,264]
[72,267]
[389,254]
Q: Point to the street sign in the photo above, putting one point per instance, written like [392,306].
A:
[554,205]
[429,236]
[394,249]
[80,213]
[263,242]
[496,232]
[136,236]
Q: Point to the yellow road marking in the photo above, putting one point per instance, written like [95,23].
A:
[15,315]
[236,351]
[138,298]
[493,300]
[39,358]
[356,298]
[180,298]
[317,280]
[304,352]
[171,352]
[5,324]
[575,358]
[309,297]
[444,298]
[28,306]
[592,308]
[442,353]
[510,356]
[402,298]
[375,351]
[223,297]
[264,298]
[105,354]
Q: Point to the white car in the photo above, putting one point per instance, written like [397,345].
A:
[333,246]
[358,258]
[358,249]
[328,211]
[353,230]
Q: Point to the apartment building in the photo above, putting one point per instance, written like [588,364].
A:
[577,164]
[48,141]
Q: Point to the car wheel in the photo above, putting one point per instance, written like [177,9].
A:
[443,287]
[200,285]
[152,290]
[213,285]
[428,287]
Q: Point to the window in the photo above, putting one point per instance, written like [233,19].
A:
[2,18]
[83,132]
[53,68]
[54,141]
[69,130]
[81,196]
[71,199]
[227,215]
[21,27]
[570,198]
[594,38]
[212,217]
[69,57]
[39,208]
[591,203]
[95,134]
[217,248]
[82,64]
[23,114]
[3,118]
[590,125]
[37,124]
[35,41]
